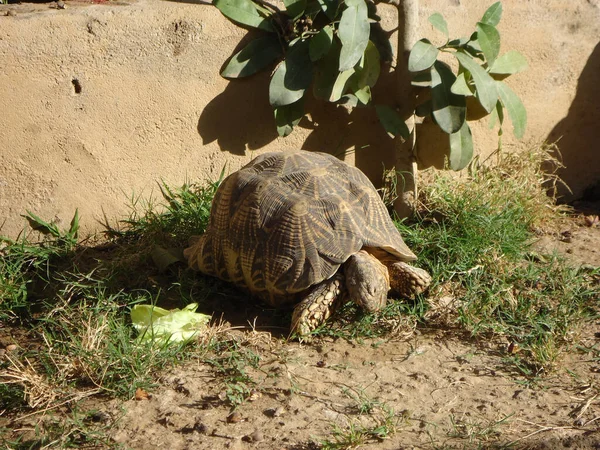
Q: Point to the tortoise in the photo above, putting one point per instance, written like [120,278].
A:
[305,229]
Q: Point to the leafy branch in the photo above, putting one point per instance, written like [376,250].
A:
[476,84]
[335,46]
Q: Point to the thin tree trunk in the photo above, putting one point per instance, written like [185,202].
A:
[406,164]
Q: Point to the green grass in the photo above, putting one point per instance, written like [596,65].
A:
[368,420]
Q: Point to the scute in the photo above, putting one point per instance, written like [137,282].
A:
[288,220]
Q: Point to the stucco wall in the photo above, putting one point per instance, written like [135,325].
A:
[153,107]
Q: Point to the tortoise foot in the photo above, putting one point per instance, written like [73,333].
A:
[318,306]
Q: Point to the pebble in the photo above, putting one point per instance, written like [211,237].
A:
[256,436]
[279,411]
[200,427]
[254,395]
[234,417]
[141,394]
[11,347]
[591,221]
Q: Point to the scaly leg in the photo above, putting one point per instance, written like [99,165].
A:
[319,305]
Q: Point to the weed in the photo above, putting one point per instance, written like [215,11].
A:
[376,423]
[26,267]
[185,213]
[230,360]
[475,431]
[81,429]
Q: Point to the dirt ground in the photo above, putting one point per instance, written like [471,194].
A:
[433,388]
[446,391]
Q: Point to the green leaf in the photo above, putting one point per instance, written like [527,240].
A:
[321,43]
[489,39]
[485,85]
[326,72]
[509,63]
[497,115]
[74,225]
[257,55]
[456,43]
[461,87]
[349,100]
[38,224]
[353,32]
[340,85]
[391,121]
[243,12]
[288,116]
[438,21]
[424,109]
[515,108]
[367,71]
[422,56]
[329,7]
[493,14]
[421,79]
[292,77]
[448,109]
[363,95]
[168,326]
[295,8]
[461,148]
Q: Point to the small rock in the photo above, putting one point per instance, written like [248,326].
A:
[590,221]
[275,412]
[200,427]
[100,416]
[234,417]
[11,13]
[11,347]
[566,236]
[60,4]
[254,395]
[255,436]
[141,394]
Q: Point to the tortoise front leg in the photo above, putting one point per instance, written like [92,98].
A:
[406,280]
[318,305]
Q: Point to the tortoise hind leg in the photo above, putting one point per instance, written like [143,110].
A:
[318,305]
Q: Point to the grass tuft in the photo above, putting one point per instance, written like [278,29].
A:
[475,236]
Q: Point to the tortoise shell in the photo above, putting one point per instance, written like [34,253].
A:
[287,221]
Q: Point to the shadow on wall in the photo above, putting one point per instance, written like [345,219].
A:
[240,116]
[579,136]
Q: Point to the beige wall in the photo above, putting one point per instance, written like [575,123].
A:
[152,105]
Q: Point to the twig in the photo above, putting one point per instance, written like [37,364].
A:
[541,430]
